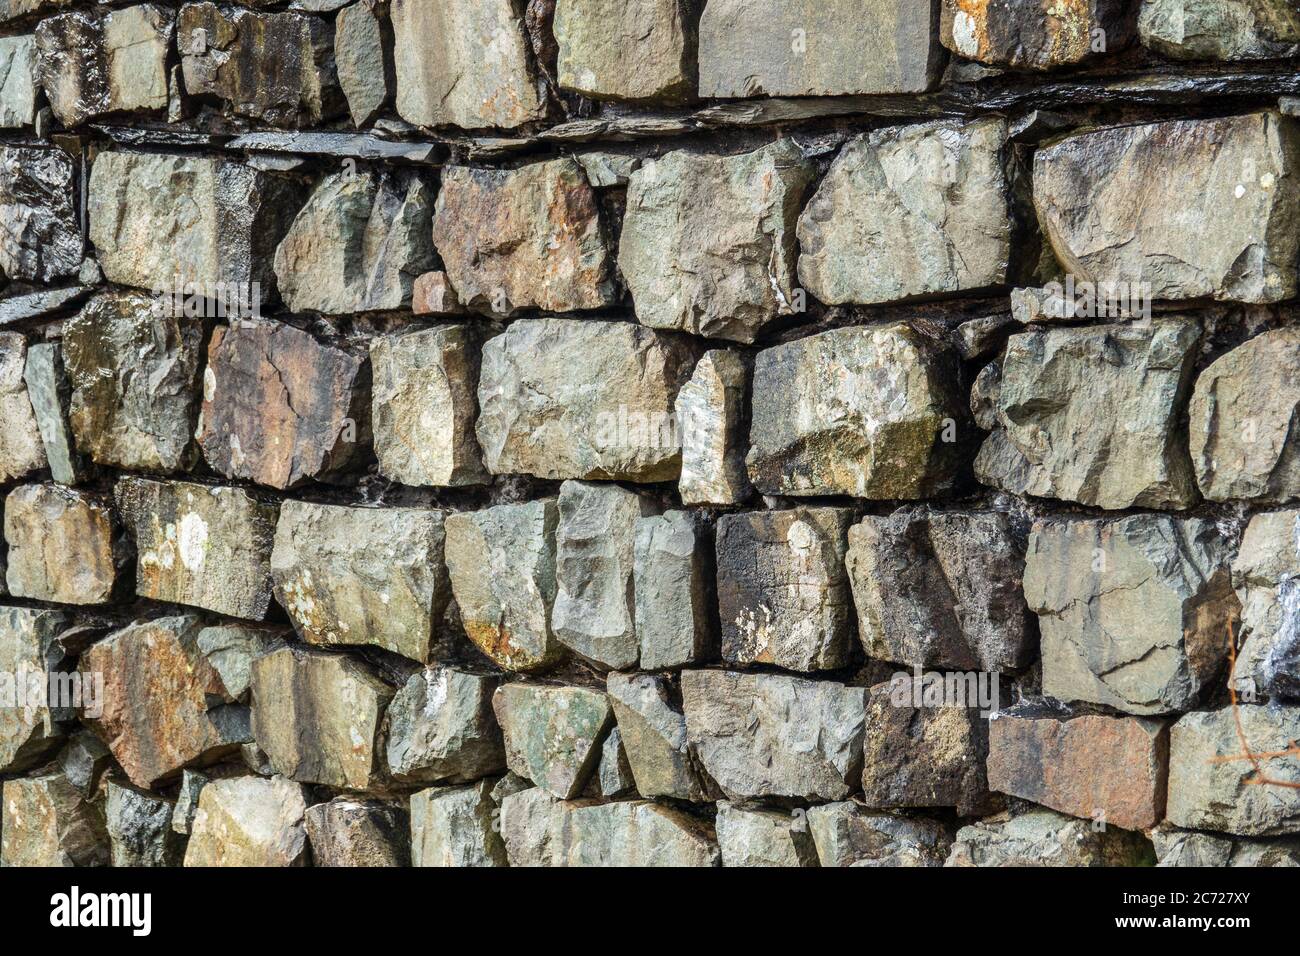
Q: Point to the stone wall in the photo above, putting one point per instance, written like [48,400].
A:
[742,432]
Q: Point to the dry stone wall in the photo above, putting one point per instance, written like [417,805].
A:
[670,432]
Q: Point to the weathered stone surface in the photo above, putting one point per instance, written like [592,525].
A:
[443,77]
[187,800]
[1043,838]
[441,728]
[140,828]
[19,82]
[635,51]
[708,241]
[351,832]
[64,545]
[614,773]
[1220,29]
[156,220]
[424,406]
[763,838]
[202,545]
[595,614]
[940,589]
[163,703]
[456,827]
[530,827]
[1034,35]
[818,47]
[760,735]
[1187,848]
[50,393]
[362,576]
[231,649]
[92,64]
[1209,793]
[40,233]
[280,406]
[1266,577]
[567,398]
[28,649]
[1106,769]
[22,450]
[1242,421]
[868,411]
[673,588]
[276,67]
[357,245]
[713,426]
[45,821]
[432,294]
[847,834]
[134,372]
[633,833]
[1093,415]
[249,821]
[553,734]
[84,760]
[501,561]
[1134,613]
[654,737]
[1204,207]
[363,51]
[889,221]
[318,717]
[926,756]
[527,238]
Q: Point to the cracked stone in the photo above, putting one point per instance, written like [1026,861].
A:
[65,545]
[673,589]
[636,52]
[763,838]
[140,828]
[713,427]
[22,450]
[19,82]
[50,392]
[1043,838]
[28,645]
[351,832]
[848,834]
[633,833]
[1220,29]
[614,774]
[45,821]
[40,232]
[363,50]
[1266,577]
[553,735]
[441,728]
[1035,35]
[654,738]
[455,826]
[249,821]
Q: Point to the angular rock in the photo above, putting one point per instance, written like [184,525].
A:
[22,450]
[1212,784]
[1266,577]
[771,735]
[637,52]
[443,77]
[363,53]
[1043,838]
[1034,35]
[654,736]
[553,734]
[708,242]
[940,589]
[276,67]
[634,833]
[140,827]
[432,294]
[231,649]
[45,821]
[201,545]
[1243,417]
[530,827]
[501,561]
[1186,848]
[672,582]
[713,425]
[1220,29]
[614,774]
[763,838]
[64,545]
[85,760]
[28,649]
[280,406]
[868,411]
[19,82]
[1134,613]
[847,834]
[351,832]
[568,398]
[1093,415]
[362,576]
[456,827]
[1204,210]
[40,232]
[527,238]
[50,393]
[357,245]
[783,593]
[826,48]
[249,821]
[441,728]
[424,406]
[187,800]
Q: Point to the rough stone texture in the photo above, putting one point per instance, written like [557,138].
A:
[763,838]
[713,425]
[187,800]
[1106,769]
[869,411]
[84,761]
[633,833]
[890,222]
[770,735]
[351,832]
[432,294]
[636,51]
[940,589]
[1176,847]
[847,834]
[529,827]
[28,646]
[783,592]
[443,77]
[140,828]
[613,774]
[45,821]
[553,734]
[1036,34]
[40,233]
[1220,29]
[708,241]
[363,51]
[249,821]
[1193,208]
[653,734]
[672,584]
[1243,418]
[1093,415]
[1134,613]
[207,546]
[1266,577]
[441,728]
[567,398]
[1043,838]
[527,238]
[425,404]
[19,82]
[280,406]
[750,48]
[50,393]
[357,245]
[502,566]
[231,650]
[1207,793]
[22,450]
[362,576]
[64,545]
[454,827]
